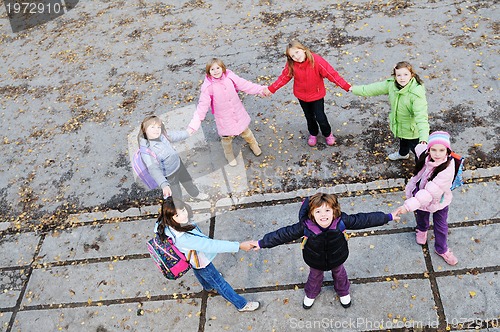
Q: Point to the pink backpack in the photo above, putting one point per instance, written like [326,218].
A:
[168,258]
[140,168]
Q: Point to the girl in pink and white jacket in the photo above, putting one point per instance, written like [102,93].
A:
[429,192]
[219,91]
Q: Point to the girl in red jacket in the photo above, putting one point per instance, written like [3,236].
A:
[308,71]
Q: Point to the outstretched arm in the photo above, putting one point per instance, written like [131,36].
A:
[283,235]
[365,220]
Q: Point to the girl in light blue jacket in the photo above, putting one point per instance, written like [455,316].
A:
[174,222]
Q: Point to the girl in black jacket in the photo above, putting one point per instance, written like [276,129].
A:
[324,246]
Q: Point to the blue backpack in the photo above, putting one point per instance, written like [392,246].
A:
[140,168]
[459,168]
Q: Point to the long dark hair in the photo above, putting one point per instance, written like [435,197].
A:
[169,209]
[421,162]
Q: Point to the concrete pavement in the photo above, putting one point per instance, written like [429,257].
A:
[97,276]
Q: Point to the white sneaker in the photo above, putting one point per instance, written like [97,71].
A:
[345,301]
[201,196]
[397,156]
[308,303]
[250,306]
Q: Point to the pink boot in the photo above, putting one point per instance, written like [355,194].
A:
[312,140]
[449,257]
[421,237]
[330,140]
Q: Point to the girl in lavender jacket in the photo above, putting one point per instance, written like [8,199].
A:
[428,191]
[219,91]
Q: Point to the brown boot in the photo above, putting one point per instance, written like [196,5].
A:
[250,139]
[227,146]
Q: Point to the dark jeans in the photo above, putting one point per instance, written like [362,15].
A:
[440,221]
[182,176]
[314,112]
[407,145]
[341,283]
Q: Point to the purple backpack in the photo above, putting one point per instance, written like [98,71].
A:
[140,168]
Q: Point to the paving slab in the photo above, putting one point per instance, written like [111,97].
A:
[477,201]
[94,282]
[4,320]
[475,247]
[105,240]
[11,283]
[471,299]
[374,256]
[373,308]
[90,217]
[154,316]
[276,267]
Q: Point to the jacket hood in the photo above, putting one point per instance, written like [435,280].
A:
[411,87]
[143,141]
[209,79]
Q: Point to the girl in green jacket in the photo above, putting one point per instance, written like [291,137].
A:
[408,118]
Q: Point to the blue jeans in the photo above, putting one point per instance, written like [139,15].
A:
[210,279]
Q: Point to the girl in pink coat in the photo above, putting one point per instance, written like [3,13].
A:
[219,91]
[429,192]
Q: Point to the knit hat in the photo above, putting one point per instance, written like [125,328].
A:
[439,137]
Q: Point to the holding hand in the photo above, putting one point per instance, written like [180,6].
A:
[167,192]
[190,131]
[400,210]
[266,92]
[247,245]
[255,245]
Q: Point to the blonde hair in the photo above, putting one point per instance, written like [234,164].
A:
[148,121]
[317,200]
[212,62]
[289,60]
